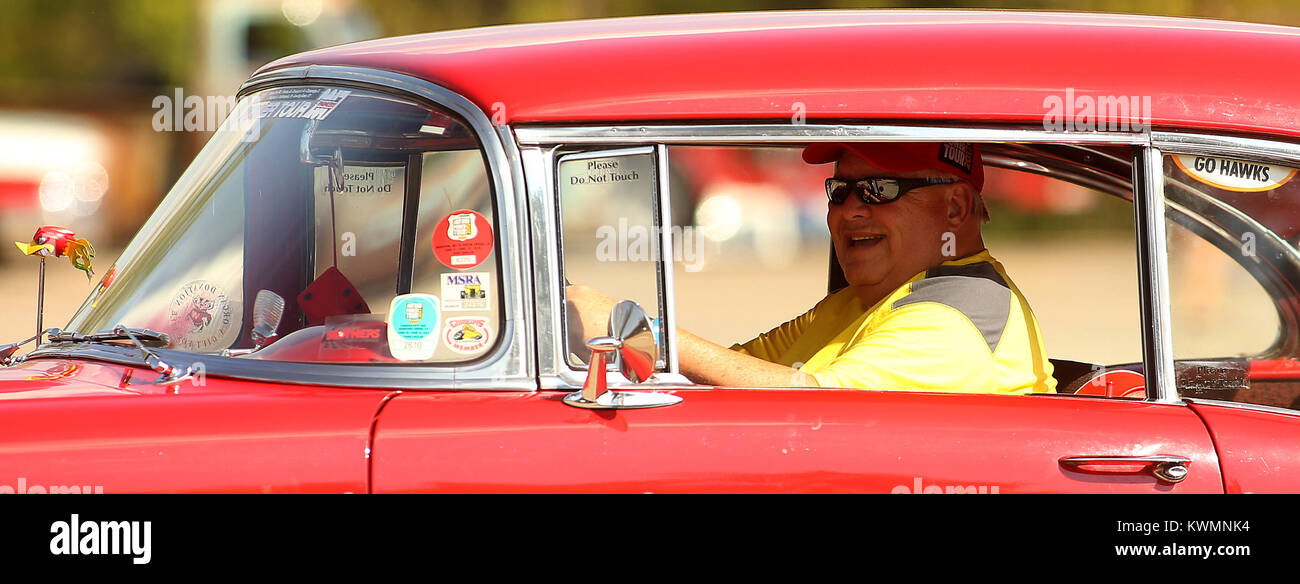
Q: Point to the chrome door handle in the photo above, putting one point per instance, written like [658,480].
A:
[1166,468]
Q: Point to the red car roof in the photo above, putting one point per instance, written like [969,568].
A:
[878,65]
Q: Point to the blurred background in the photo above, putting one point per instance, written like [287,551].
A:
[81,80]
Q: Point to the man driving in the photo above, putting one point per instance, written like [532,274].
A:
[927,308]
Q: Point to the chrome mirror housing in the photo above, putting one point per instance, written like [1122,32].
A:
[632,341]
[637,351]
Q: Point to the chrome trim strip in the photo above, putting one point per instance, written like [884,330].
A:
[1227,146]
[520,321]
[1153,274]
[1242,406]
[544,234]
[787,133]
[589,154]
[667,259]
[354,375]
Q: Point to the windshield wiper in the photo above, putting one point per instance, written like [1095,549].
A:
[7,351]
[120,333]
[167,374]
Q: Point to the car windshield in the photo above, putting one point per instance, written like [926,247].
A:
[309,212]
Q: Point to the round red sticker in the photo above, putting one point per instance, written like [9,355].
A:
[462,240]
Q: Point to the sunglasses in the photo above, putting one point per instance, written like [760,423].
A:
[877,190]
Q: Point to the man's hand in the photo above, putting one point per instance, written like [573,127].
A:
[592,309]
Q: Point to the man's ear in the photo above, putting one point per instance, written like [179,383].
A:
[959,204]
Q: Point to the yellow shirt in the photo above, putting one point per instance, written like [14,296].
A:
[962,326]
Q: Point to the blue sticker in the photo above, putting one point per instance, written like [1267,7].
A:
[413,321]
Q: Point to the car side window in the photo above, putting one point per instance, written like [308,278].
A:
[755,230]
[1232,226]
[608,202]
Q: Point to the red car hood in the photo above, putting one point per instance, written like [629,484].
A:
[46,378]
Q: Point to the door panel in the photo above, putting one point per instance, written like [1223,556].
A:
[752,440]
[1257,447]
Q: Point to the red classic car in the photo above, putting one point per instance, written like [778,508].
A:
[359,284]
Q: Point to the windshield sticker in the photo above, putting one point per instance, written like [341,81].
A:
[201,317]
[468,335]
[311,103]
[462,240]
[413,327]
[1234,175]
[465,291]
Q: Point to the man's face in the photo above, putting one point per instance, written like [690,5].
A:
[884,245]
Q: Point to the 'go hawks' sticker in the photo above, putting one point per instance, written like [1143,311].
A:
[467,335]
[1234,175]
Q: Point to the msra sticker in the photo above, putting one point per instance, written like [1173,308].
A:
[465,291]
[467,336]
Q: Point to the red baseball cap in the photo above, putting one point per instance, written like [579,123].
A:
[961,159]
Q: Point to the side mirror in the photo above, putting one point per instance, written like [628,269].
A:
[637,352]
[632,341]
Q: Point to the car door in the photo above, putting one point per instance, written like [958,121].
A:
[742,440]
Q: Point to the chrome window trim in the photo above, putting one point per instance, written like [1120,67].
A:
[1153,274]
[539,164]
[666,259]
[1242,406]
[1257,149]
[530,135]
[508,367]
